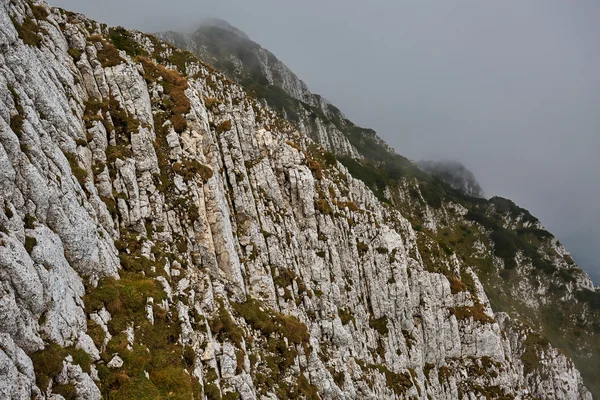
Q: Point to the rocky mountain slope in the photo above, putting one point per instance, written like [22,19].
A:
[163,234]
[512,238]
[265,77]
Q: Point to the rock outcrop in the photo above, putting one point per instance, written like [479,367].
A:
[164,234]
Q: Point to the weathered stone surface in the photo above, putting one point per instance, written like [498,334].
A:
[115,362]
[228,207]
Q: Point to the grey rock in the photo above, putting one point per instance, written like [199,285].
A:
[115,362]
[260,224]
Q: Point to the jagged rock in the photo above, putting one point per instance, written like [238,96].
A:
[17,379]
[115,362]
[86,344]
[228,361]
[85,387]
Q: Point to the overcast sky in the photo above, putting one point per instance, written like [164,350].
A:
[511,88]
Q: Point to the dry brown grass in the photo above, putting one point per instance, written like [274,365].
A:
[189,169]
[109,55]
[175,86]
[350,204]
[315,168]
[224,126]
[211,102]
[476,312]
[456,285]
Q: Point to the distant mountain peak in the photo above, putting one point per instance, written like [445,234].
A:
[222,24]
[455,174]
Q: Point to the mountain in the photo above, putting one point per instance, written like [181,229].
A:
[264,77]
[165,233]
[454,174]
[517,254]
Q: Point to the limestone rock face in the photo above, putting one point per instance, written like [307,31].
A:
[163,232]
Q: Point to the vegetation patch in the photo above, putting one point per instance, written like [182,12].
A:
[590,297]
[39,12]
[30,243]
[306,389]
[189,169]
[122,124]
[533,346]
[285,279]
[165,53]
[224,126]
[109,55]
[79,172]
[68,391]
[476,312]
[17,120]
[362,248]
[427,369]
[210,103]
[74,53]
[7,211]
[322,205]
[367,173]
[124,298]
[504,206]
[268,321]
[174,85]
[123,40]
[350,205]
[444,374]
[29,221]
[223,327]
[315,168]
[507,243]
[96,332]
[380,325]
[398,382]
[29,31]
[456,285]
[156,350]
[48,363]
[408,338]
[346,316]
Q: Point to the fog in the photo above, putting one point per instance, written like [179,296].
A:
[509,88]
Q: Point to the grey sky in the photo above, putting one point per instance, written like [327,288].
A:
[511,88]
